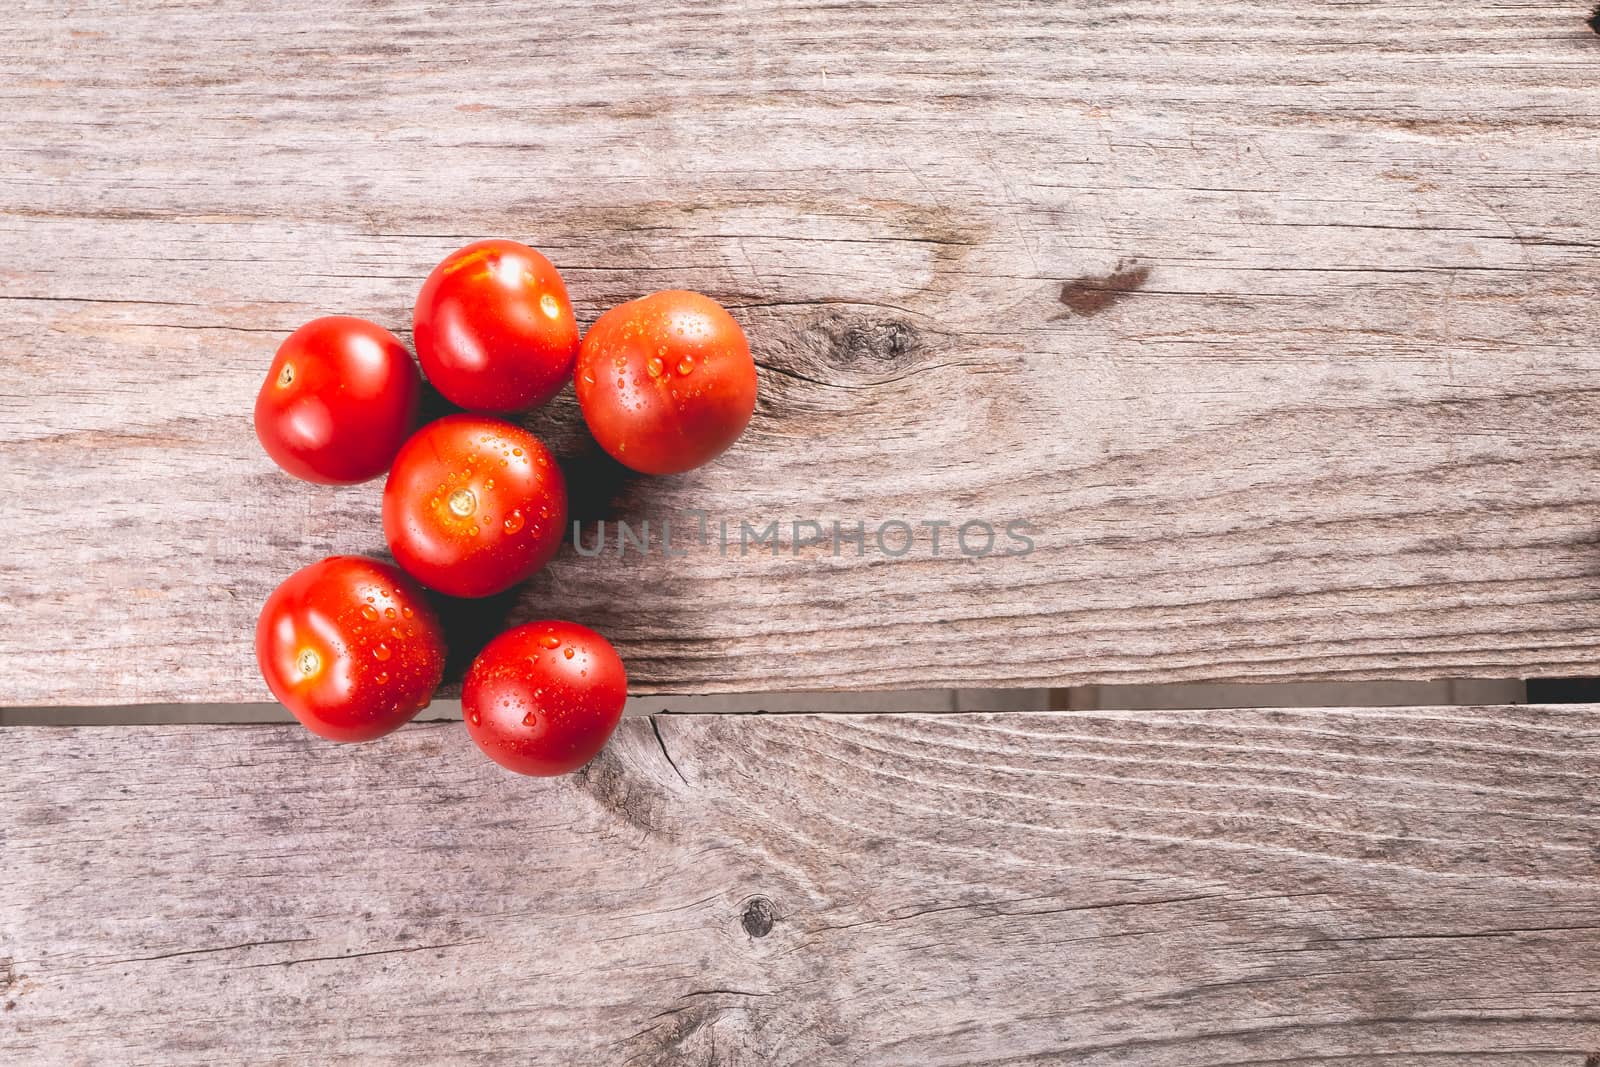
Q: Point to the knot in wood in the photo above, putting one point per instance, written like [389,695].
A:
[758,917]
[884,341]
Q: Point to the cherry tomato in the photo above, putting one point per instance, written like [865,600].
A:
[473,505]
[351,647]
[339,399]
[494,328]
[543,698]
[666,382]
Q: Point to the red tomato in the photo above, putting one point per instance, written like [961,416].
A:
[544,698]
[473,505]
[338,402]
[494,328]
[351,647]
[666,382]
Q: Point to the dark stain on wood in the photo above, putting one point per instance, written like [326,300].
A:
[952,236]
[1091,294]
[1594,24]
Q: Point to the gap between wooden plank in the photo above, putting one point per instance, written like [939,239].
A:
[1454,692]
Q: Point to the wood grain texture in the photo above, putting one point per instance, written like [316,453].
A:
[1397,887]
[1275,320]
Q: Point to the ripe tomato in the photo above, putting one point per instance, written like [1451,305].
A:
[543,698]
[473,505]
[339,399]
[494,328]
[351,647]
[666,382]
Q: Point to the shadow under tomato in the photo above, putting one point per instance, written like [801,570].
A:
[598,487]
[471,624]
[434,406]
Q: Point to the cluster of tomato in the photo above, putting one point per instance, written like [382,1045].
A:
[475,504]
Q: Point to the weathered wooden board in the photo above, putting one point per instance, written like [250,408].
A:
[1275,320]
[1402,886]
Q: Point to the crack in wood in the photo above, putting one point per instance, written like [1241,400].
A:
[655,728]
[205,951]
[406,949]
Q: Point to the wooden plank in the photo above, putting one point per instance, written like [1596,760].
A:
[1398,886]
[1275,322]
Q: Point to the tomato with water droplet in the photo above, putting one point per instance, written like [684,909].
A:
[653,420]
[342,673]
[462,533]
[536,712]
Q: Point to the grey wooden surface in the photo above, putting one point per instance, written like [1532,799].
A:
[1275,320]
[1399,887]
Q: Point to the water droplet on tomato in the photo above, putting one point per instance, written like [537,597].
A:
[569,652]
[407,612]
[550,641]
[388,613]
[381,652]
[655,366]
[513,522]
[475,718]
[516,451]
[549,305]
[530,719]
[369,613]
[686,364]
[383,678]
